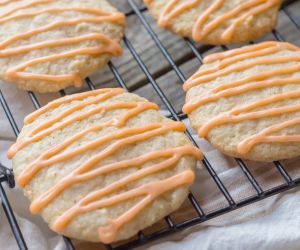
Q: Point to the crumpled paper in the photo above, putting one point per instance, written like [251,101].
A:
[269,224]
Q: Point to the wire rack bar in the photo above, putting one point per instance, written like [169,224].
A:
[12,220]
[90,84]
[249,176]
[7,176]
[219,212]
[8,114]
[194,49]
[291,16]
[118,77]
[34,100]
[156,39]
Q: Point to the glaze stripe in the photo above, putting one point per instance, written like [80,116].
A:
[171,11]
[214,97]
[240,51]
[200,32]
[106,44]
[259,77]
[264,136]
[24,6]
[233,61]
[6,2]
[81,175]
[67,99]
[50,126]
[45,159]
[239,68]
[109,47]
[210,19]
[149,191]
[27,141]
[238,58]
[105,16]
[110,144]
[236,115]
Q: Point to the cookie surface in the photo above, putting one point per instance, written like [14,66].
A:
[246,101]
[48,45]
[102,165]
[216,21]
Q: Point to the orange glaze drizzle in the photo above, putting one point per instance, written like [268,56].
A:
[55,124]
[106,45]
[124,137]
[240,51]
[67,99]
[115,141]
[236,115]
[36,137]
[222,69]
[5,2]
[45,161]
[203,27]
[171,11]
[224,62]
[25,6]
[264,136]
[237,91]
[149,192]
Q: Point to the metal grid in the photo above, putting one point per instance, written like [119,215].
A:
[6,175]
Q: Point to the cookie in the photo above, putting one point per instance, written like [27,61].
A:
[48,45]
[102,165]
[216,21]
[246,101]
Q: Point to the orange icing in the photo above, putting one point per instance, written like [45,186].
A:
[236,115]
[264,136]
[244,50]
[5,2]
[115,140]
[212,97]
[204,26]
[54,124]
[67,99]
[24,6]
[203,75]
[227,63]
[149,192]
[105,45]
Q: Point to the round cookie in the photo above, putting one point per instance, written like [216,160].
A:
[216,21]
[246,101]
[48,45]
[102,165]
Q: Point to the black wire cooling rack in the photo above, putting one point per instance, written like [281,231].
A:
[6,175]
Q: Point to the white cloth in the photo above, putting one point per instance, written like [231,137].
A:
[270,224]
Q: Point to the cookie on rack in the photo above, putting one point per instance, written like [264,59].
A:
[246,101]
[48,45]
[102,165]
[216,21]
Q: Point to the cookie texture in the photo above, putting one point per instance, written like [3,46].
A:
[216,21]
[102,165]
[246,101]
[48,45]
